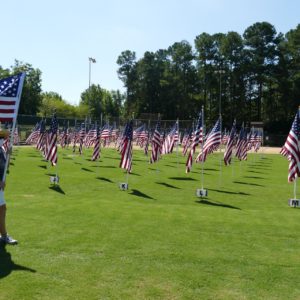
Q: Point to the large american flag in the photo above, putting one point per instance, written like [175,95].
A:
[291,149]
[52,139]
[126,152]
[212,142]
[156,144]
[10,92]
[197,138]
[230,144]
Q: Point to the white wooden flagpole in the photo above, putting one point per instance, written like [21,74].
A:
[202,161]
[177,146]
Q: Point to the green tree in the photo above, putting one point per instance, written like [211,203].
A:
[127,73]
[260,41]
[52,101]
[31,95]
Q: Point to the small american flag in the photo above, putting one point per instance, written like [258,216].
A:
[230,144]
[156,144]
[197,138]
[212,142]
[171,139]
[96,152]
[33,136]
[81,137]
[126,152]
[242,145]
[291,149]
[10,92]
[52,139]
[41,138]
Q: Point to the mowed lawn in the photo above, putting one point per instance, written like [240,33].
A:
[87,239]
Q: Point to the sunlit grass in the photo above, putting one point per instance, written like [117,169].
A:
[87,239]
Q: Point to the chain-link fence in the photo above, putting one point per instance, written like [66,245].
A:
[26,124]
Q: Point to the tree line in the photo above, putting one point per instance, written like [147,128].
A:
[253,77]
[250,77]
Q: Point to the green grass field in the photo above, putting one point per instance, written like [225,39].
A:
[88,239]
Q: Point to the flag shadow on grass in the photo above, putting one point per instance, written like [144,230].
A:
[7,264]
[108,167]
[256,172]
[87,170]
[248,183]
[43,167]
[168,185]
[183,178]
[104,179]
[229,192]
[57,188]
[140,194]
[211,169]
[206,202]
[254,177]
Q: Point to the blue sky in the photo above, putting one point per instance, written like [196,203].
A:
[58,36]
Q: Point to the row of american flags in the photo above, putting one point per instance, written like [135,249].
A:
[155,141]
[236,143]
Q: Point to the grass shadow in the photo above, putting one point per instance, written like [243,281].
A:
[57,188]
[179,162]
[7,264]
[67,158]
[107,167]
[104,179]
[43,167]
[211,169]
[50,174]
[77,163]
[183,178]
[87,170]
[168,185]
[248,183]
[206,202]
[256,172]
[140,194]
[254,177]
[229,192]
[134,174]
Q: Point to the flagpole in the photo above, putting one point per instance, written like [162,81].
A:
[220,115]
[177,146]
[202,143]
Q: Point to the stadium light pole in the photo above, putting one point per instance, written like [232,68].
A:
[91,60]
